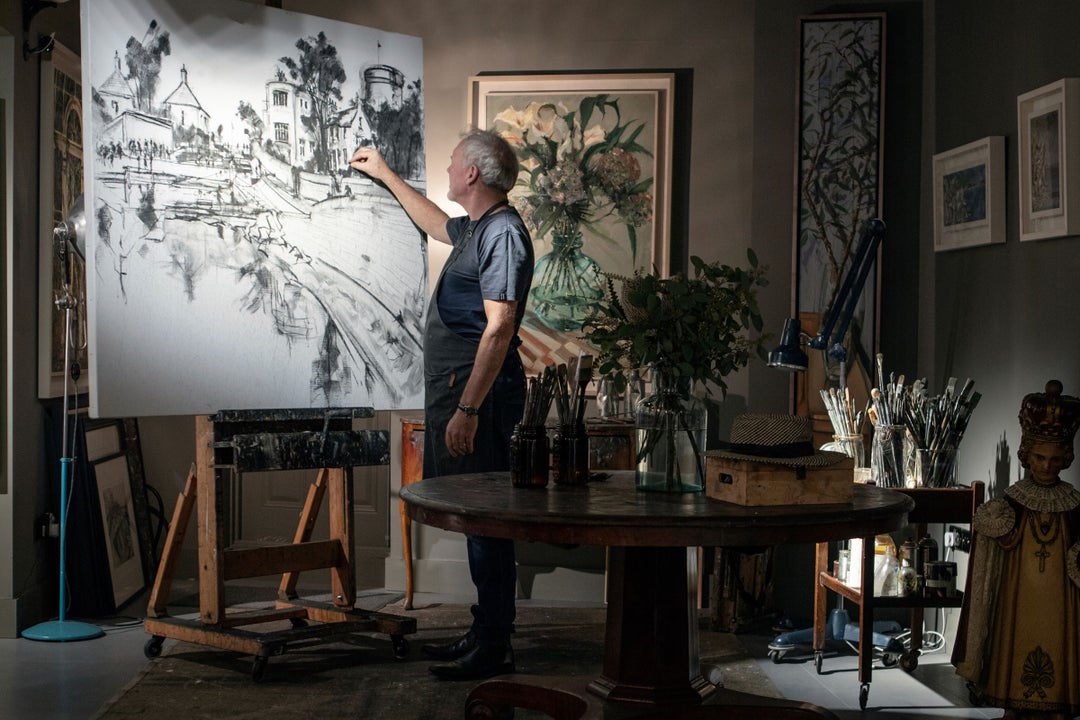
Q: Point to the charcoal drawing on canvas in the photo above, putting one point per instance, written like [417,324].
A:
[234,260]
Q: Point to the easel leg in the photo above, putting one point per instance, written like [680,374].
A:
[343,578]
[316,491]
[170,553]
[210,526]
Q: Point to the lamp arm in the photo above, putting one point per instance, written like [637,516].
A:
[844,304]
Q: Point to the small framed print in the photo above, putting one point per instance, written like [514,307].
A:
[969,195]
[1048,140]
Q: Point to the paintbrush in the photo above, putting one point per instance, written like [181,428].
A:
[584,376]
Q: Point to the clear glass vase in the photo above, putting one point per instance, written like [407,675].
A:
[670,439]
[566,283]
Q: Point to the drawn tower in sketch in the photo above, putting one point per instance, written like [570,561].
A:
[383,84]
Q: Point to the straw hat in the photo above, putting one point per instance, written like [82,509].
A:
[776,440]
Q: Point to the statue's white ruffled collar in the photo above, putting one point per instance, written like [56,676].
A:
[1059,497]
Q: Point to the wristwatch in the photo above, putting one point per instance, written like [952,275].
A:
[469,410]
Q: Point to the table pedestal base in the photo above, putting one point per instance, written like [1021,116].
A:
[651,666]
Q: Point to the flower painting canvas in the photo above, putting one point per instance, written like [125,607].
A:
[594,189]
[234,261]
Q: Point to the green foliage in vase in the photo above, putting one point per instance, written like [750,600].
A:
[692,328]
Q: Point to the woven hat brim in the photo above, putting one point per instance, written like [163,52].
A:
[821,458]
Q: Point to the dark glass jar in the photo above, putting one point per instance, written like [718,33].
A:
[530,456]
[570,452]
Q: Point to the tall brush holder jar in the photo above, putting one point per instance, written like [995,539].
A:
[887,463]
[530,456]
[570,451]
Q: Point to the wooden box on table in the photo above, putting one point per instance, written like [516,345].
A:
[744,482]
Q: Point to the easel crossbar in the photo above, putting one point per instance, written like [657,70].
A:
[278,559]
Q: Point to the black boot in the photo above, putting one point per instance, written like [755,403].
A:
[481,662]
[451,650]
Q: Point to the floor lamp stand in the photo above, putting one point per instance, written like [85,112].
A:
[62,629]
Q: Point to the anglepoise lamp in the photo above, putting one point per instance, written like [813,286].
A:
[830,338]
[68,237]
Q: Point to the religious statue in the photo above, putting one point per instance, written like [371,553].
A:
[1017,640]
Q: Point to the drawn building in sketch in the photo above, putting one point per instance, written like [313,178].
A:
[182,108]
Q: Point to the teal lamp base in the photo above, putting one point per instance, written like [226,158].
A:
[63,631]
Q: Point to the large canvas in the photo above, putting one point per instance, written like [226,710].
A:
[234,260]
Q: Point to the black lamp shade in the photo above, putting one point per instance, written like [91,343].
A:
[788,354]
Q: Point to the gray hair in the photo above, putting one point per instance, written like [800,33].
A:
[493,158]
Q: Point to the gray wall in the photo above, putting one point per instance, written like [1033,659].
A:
[1005,315]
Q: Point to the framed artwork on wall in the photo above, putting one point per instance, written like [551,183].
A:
[1048,141]
[969,195]
[595,187]
[839,137]
[61,163]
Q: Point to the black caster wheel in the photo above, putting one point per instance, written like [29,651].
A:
[258,668]
[864,693]
[152,648]
[818,659]
[909,661]
[775,656]
[401,646]
[889,660]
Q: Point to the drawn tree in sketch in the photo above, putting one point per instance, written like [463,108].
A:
[399,133]
[143,60]
[250,116]
[320,73]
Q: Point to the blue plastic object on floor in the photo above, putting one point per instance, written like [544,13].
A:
[838,628]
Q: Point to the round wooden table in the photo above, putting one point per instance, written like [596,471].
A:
[651,642]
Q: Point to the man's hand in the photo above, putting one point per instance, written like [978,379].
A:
[368,161]
[460,433]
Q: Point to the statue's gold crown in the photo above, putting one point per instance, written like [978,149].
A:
[1050,416]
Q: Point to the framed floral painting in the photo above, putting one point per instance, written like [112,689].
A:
[594,188]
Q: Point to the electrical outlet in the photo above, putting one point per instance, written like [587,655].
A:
[43,526]
[959,538]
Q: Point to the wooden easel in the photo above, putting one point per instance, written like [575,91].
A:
[244,441]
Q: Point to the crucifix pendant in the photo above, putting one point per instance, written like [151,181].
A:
[1042,554]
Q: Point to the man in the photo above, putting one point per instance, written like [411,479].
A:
[474,381]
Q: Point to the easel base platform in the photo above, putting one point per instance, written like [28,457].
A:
[571,698]
[327,623]
[229,444]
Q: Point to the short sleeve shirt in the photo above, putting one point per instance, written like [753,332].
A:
[496,265]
